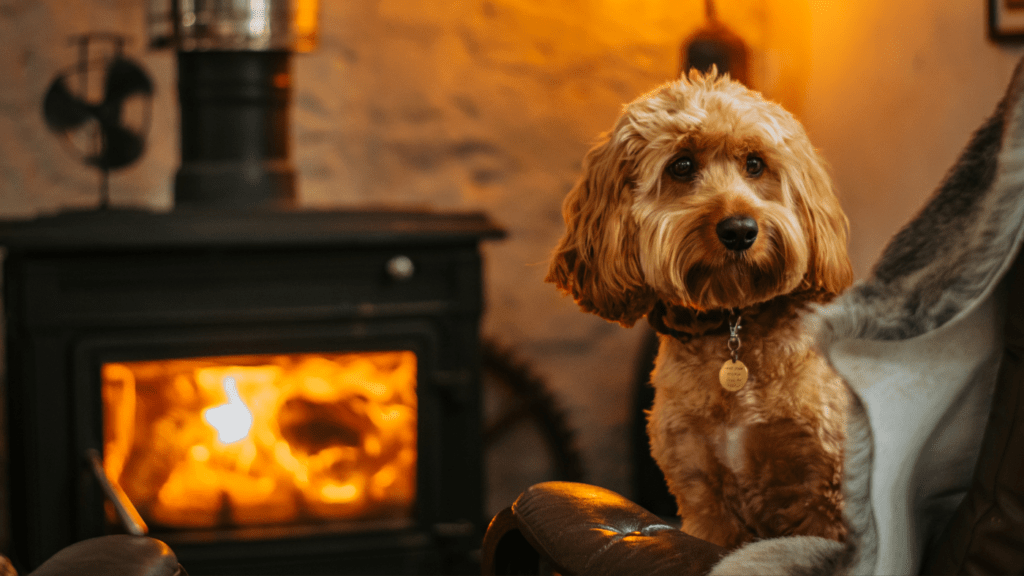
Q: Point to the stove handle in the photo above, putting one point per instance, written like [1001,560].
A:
[126,512]
[400,268]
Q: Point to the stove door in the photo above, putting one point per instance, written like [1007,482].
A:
[263,439]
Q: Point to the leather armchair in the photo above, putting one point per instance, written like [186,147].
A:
[575,528]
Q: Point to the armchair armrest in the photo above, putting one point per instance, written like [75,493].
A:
[581,529]
[120,555]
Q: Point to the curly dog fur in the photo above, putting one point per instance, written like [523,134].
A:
[706,201]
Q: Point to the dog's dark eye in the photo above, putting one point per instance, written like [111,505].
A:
[755,166]
[682,168]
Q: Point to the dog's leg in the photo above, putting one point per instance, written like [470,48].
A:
[702,486]
[704,501]
[790,486]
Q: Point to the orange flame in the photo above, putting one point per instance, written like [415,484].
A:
[209,442]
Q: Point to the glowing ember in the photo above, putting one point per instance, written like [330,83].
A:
[209,442]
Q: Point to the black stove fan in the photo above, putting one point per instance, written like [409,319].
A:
[101,106]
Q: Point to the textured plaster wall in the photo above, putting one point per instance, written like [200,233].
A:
[491,104]
[894,91]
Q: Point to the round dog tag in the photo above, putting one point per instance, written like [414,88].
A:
[733,375]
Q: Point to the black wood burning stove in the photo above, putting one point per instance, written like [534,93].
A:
[270,391]
[277,392]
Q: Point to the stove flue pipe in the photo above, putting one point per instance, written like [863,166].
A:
[234,89]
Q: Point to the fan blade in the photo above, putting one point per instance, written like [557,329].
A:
[62,110]
[121,147]
[124,79]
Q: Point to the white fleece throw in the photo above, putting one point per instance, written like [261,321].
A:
[919,344]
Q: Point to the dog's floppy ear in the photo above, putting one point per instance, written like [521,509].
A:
[596,260]
[829,271]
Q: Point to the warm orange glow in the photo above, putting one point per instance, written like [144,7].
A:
[304,22]
[208,442]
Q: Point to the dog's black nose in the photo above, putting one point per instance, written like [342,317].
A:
[737,232]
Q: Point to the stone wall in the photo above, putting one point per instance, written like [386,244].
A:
[491,104]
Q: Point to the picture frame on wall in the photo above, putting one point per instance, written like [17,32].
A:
[1006,20]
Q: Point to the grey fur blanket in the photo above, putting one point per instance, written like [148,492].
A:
[919,343]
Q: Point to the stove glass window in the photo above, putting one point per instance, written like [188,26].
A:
[236,441]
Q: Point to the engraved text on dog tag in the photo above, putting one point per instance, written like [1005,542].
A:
[733,375]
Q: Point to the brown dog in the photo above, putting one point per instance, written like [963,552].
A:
[707,209]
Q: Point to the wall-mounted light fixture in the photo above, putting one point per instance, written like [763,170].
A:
[715,44]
